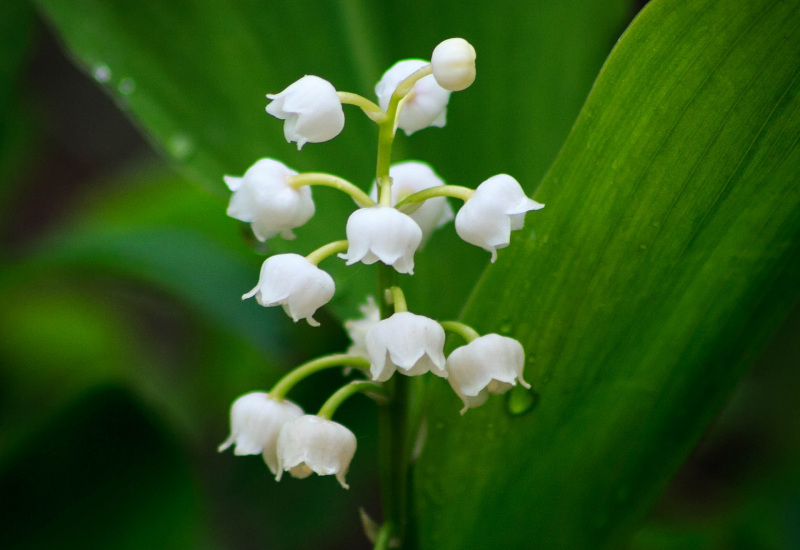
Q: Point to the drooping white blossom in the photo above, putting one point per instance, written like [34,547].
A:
[311,108]
[453,64]
[295,283]
[256,421]
[264,198]
[425,105]
[410,177]
[489,364]
[497,207]
[381,233]
[357,328]
[310,444]
[412,343]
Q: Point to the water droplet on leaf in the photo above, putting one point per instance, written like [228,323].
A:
[521,400]
[101,73]
[126,86]
[180,146]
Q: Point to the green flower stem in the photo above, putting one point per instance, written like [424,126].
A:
[398,299]
[394,453]
[385,140]
[407,84]
[370,109]
[343,393]
[329,180]
[465,331]
[286,383]
[326,251]
[393,418]
[387,131]
[455,191]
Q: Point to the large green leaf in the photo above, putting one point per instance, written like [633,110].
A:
[667,253]
[194,75]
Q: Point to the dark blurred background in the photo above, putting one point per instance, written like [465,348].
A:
[118,364]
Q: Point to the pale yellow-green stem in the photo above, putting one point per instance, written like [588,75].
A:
[370,109]
[387,131]
[455,191]
[326,251]
[398,299]
[395,417]
[340,395]
[279,390]
[465,331]
[329,180]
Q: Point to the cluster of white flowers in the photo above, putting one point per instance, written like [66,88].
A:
[405,205]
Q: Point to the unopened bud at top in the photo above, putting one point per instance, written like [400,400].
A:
[453,64]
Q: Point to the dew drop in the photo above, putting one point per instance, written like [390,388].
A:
[520,400]
[180,146]
[101,73]
[126,86]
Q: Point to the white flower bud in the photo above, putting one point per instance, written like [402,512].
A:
[413,176]
[295,283]
[265,198]
[453,64]
[426,103]
[489,364]
[406,341]
[382,233]
[313,444]
[497,207]
[311,108]
[256,421]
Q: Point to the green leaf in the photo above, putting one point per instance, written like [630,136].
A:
[667,253]
[160,230]
[194,75]
[104,474]
[16,28]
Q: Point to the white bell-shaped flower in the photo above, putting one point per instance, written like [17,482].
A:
[311,108]
[357,328]
[382,233]
[426,103]
[406,341]
[489,364]
[311,444]
[413,176]
[453,64]
[264,198]
[256,421]
[295,283]
[497,207]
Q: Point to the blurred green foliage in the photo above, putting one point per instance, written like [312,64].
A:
[124,339]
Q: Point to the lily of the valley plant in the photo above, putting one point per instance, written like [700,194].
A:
[407,202]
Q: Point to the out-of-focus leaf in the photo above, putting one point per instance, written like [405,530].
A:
[56,345]
[741,486]
[171,235]
[16,27]
[667,253]
[194,75]
[102,475]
